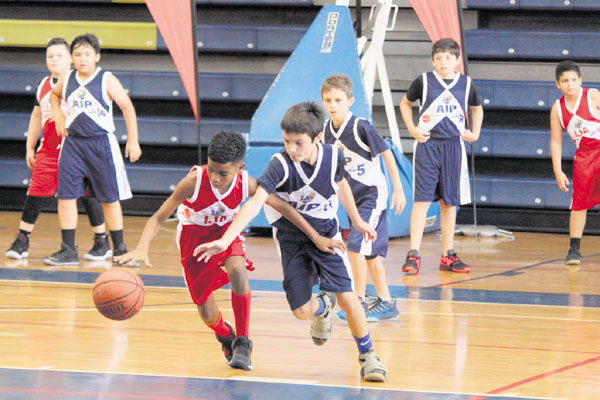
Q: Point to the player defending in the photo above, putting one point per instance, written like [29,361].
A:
[310,176]
[577,111]
[90,152]
[44,161]
[206,201]
[439,158]
[361,145]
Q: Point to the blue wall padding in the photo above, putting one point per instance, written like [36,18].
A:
[314,59]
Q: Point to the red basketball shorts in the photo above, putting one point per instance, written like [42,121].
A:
[204,278]
[586,175]
[44,175]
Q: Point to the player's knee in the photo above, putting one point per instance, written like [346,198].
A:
[208,314]
[238,276]
[303,312]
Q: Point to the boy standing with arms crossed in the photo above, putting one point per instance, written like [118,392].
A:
[439,158]
[578,112]
[44,161]
[206,201]
[90,152]
[361,145]
[310,176]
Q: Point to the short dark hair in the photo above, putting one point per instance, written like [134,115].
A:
[227,146]
[57,41]
[307,117]
[89,38]
[565,66]
[445,45]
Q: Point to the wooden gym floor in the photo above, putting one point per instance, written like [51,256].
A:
[521,325]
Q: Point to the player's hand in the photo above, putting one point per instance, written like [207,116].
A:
[562,181]
[30,158]
[469,136]
[205,251]
[133,151]
[60,126]
[328,245]
[398,201]
[133,257]
[367,230]
[419,135]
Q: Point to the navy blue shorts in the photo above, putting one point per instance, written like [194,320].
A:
[304,265]
[441,172]
[94,161]
[377,219]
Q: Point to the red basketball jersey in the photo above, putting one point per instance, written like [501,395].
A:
[51,141]
[207,207]
[582,121]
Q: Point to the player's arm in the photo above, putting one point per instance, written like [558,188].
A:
[33,134]
[184,190]
[291,214]
[119,95]
[556,150]
[347,199]
[472,135]
[595,100]
[398,199]
[248,211]
[59,118]
[407,117]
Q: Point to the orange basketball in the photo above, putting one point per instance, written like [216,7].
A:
[118,293]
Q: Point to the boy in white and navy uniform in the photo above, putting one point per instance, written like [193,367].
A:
[90,154]
[310,176]
[578,112]
[362,146]
[44,161]
[439,157]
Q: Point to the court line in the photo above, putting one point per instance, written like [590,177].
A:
[505,273]
[293,337]
[242,378]
[130,396]
[536,377]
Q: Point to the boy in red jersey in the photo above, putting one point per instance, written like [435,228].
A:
[206,200]
[578,112]
[44,161]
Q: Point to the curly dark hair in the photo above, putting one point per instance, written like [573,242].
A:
[307,117]
[87,39]
[227,146]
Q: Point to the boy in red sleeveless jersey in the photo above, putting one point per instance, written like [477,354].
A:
[206,201]
[578,112]
[44,161]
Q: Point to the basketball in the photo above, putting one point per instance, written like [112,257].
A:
[118,293]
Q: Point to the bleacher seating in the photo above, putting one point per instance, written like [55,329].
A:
[145,35]
[157,85]
[535,4]
[527,44]
[142,178]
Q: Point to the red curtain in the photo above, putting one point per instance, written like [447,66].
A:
[440,19]
[174,21]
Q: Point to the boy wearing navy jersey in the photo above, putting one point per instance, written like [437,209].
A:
[310,176]
[44,161]
[362,145]
[439,158]
[90,153]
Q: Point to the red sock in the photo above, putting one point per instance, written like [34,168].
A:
[220,328]
[241,310]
